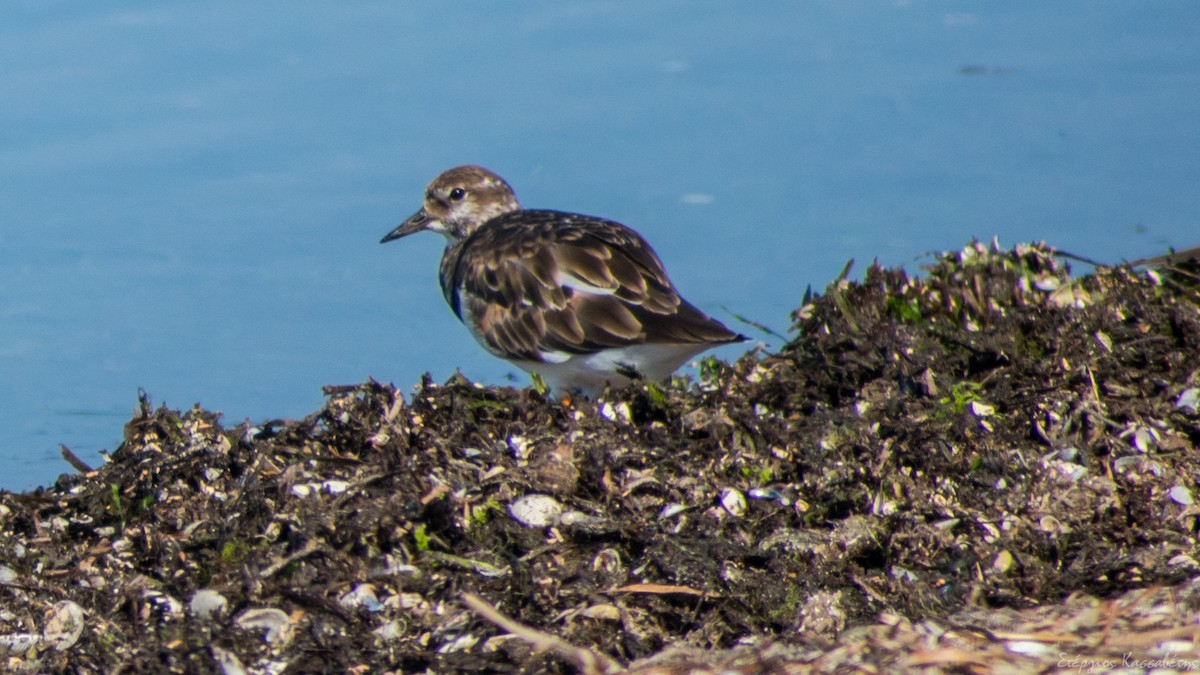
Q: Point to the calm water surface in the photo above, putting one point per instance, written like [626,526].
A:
[193,192]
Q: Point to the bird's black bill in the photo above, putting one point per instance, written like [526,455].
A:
[415,223]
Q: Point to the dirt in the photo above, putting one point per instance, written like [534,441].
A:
[990,465]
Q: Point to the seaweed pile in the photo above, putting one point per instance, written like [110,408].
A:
[991,464]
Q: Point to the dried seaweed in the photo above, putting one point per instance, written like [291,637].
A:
[988,466]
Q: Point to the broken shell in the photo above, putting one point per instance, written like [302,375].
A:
[536,510]
[335,487]
[608,561]
[275,621]
[578,518]
[1047,283]
[1069,470]
[206,603]
[167,606]
[602,612]
[519,446]
[616,413]
[362,595]
[671,510]
[229,662]
[734,502]
[15,644]
[64,626]
[1189,399]
[391,630]
[461,643]
[1028,647]
[1181,495]
[1145,438]
[980,409]
[771,494]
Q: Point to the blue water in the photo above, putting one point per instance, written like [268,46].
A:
[193,192]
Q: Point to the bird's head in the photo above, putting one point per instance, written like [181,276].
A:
[457,202]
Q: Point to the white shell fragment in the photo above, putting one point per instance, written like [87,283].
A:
[333,487]
[980,409]
[671,510]
[1047,283]
[519,445]
[734,502]
[616,413]
[1028,647]
[536,510]
[771,494]
[1068,470]
[1181,495]
[1144,439]
[608,561]
[229,662]
[392,630]
[1189,399]
[462,643]
[361,596]
[167,606]
[275,621]
[15,644]
[578,518]
[206,603]
[64,626]
[602,612]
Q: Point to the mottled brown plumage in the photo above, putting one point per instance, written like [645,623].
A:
[579,299]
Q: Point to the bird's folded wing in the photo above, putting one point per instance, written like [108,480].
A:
[565,284]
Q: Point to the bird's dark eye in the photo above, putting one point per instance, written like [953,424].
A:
[457,194]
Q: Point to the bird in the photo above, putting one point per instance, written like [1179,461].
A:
[580,301]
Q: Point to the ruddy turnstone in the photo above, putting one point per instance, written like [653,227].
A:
[579,300]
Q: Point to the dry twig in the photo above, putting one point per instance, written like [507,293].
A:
[586,660]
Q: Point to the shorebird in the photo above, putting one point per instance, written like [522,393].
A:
[580,301]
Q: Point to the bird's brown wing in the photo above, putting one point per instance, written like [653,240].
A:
[533,282]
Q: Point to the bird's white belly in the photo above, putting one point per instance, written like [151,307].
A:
[589,373]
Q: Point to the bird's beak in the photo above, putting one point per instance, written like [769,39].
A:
[415,223]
